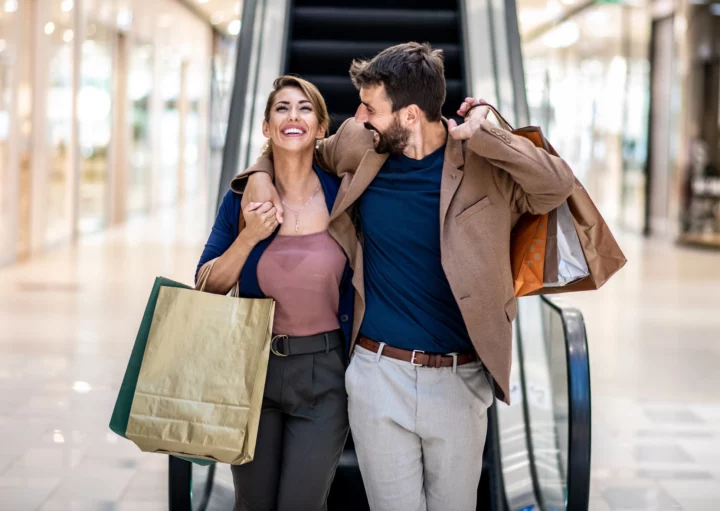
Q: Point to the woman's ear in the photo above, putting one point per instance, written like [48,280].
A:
[321,132]
[266,129]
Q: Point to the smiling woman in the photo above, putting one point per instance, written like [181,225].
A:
[304,269]
[311,110]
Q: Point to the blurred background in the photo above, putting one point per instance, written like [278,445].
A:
[122,122]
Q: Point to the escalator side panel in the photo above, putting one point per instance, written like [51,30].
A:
[580,410]
[271,55]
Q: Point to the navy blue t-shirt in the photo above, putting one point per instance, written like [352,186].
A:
[409,303]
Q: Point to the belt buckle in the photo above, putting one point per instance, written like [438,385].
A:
[272,345]
[412,359]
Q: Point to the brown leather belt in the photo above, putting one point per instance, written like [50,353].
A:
[417,358]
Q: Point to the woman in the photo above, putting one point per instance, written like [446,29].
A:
[304,423]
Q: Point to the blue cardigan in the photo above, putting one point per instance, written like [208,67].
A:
[225,231]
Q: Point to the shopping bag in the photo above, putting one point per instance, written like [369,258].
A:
[200,387]
[564,259]
[121,412]
[599,257]
[530,245]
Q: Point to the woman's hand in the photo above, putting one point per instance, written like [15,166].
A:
[260,221]
[260,188]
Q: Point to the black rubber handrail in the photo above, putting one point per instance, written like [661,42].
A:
[579,412]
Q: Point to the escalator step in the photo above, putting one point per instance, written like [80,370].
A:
[334,57]
[440,26]
[381,4]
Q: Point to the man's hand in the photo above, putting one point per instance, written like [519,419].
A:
[474,111]
[260,189]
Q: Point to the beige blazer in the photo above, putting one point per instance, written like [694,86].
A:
[487,183]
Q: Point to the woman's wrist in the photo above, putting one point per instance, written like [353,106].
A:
[247,240]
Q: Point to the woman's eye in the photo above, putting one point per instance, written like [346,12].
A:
[307,108]
[281,109]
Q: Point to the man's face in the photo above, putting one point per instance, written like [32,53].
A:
[375,113]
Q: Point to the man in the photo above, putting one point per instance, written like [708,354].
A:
[434,204]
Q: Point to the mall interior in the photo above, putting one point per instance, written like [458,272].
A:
[122,122]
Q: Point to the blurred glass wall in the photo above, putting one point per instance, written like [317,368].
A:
[108,111]
[587,78]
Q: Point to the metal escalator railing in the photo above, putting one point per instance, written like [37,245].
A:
[554,375]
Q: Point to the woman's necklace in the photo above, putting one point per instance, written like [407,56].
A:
[297,212]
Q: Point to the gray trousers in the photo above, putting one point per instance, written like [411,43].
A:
[302,432]
[419,432]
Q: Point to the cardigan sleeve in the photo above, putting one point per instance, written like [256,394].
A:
[224,230]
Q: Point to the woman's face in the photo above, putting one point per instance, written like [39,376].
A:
[293,124]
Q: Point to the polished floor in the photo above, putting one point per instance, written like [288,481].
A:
[69,319]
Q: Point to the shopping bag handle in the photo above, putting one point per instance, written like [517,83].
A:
[204,275]
[503,122]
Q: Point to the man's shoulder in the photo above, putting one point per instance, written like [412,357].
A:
[352,134]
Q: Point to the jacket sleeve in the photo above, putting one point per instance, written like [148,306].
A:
[326,153]
[223,231]
[531,179]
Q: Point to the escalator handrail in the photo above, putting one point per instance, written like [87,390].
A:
[579,402]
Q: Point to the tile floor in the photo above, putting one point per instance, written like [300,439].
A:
[69,318]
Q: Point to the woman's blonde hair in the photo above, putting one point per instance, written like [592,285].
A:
[307,88]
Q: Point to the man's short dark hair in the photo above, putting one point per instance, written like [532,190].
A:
[412,73]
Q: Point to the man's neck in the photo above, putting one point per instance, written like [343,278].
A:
[427,138]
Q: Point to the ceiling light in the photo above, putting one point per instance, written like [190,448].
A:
[67,5]
[553,9]
[68,36]
[202,1]
[11,5]
[234,27]
[49,28]
[238,8]
[124,19]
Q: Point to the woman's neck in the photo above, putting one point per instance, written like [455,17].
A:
[294,175]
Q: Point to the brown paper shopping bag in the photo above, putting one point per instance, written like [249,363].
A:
[202,378]
[602,255]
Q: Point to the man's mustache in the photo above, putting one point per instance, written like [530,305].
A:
[369,126]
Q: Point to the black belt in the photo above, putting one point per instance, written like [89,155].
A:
[285,345]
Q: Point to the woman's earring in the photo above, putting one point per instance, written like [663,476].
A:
[317,143]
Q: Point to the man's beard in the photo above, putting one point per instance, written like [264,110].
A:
[393,140]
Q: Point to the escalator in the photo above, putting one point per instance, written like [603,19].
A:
[537,454]
[326,35]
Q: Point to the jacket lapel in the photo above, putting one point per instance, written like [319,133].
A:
[365,173]
[452,175]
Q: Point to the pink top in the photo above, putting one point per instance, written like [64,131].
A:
[302,274]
